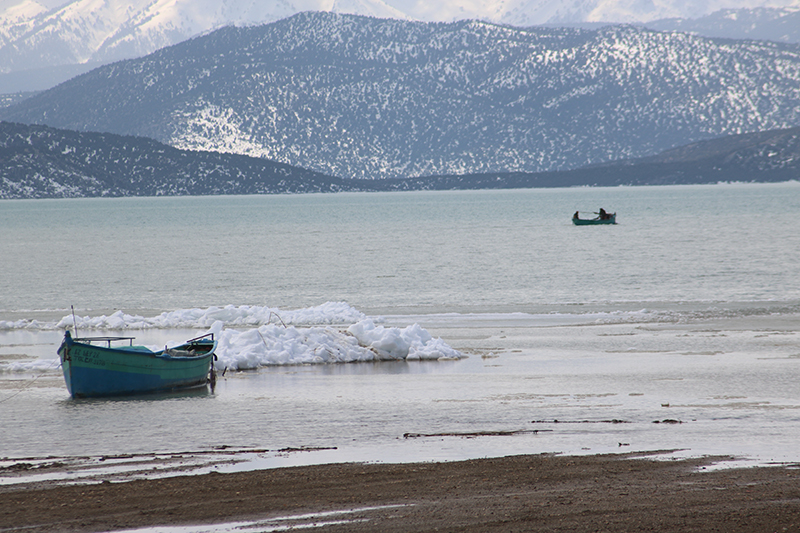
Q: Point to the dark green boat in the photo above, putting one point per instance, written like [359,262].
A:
[602,218]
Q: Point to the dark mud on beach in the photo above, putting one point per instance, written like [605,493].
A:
[519,493]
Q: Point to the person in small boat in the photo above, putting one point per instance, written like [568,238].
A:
[575,215]
[603,214]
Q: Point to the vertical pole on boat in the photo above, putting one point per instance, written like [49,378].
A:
[74,322]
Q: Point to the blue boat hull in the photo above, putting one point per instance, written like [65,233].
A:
[93,382]
[94,371]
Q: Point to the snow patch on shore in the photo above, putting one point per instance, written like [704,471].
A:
[249,337]
[229,315]
[362,341]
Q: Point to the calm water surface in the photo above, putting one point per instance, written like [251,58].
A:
[697,289]
[468,251]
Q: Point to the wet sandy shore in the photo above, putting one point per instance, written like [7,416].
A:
[520,493]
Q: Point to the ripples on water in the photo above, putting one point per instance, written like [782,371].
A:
[469,251]
[685,311]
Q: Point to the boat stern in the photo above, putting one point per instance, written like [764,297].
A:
[66,360]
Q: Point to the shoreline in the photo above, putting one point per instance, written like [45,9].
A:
[625,492]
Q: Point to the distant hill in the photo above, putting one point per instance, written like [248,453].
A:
[11,99]
[759,23]
[770,156]
[356,97]
[44,162]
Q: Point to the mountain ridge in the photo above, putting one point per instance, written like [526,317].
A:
[760,23]
[356,97]
[44,162]
[46,45]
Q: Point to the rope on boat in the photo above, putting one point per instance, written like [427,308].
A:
[31,381]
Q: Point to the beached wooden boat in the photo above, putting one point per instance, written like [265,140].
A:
[611,218]
[95,370]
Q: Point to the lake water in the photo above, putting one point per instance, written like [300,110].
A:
[685,311]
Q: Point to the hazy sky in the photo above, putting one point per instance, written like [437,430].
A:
[471,5]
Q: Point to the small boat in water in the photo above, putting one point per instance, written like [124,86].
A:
[601,218]
[94,370]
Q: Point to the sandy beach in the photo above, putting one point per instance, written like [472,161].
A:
[629,492]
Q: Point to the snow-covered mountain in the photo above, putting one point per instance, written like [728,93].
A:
[781,25]
[43,162]
[359,97]
[36,34]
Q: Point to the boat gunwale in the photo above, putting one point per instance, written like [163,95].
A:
[140,350]
[102,339]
